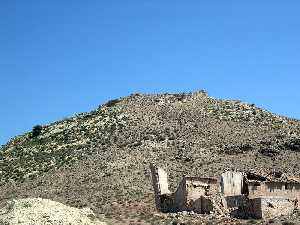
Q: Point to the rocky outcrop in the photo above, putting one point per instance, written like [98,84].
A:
[43,211]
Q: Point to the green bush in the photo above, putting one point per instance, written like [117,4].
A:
[36,131]
[112,103]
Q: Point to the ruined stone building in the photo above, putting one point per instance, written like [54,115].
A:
[244,195]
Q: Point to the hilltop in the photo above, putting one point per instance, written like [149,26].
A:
[101,159]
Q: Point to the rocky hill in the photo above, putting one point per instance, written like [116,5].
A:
[101,159]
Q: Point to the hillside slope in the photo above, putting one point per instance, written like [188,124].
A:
[100,159]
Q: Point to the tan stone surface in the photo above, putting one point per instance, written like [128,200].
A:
[39,211]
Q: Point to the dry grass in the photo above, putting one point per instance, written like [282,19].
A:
[100,159]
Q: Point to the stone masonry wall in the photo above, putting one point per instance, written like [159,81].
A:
[274,206]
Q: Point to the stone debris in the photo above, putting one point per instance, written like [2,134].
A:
[234,194]
[40,211]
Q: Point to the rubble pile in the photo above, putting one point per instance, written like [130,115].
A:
[45,212]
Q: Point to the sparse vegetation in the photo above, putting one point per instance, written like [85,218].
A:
[101,158]
[36,131]
[112,103]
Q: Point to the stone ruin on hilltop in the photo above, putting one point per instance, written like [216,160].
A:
[241,195]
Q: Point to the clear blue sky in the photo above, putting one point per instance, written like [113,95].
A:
[60,57]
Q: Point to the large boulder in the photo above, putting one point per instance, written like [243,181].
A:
[40,211]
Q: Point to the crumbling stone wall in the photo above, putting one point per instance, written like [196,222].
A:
[238,206]
[269,207]
[200,193]
[288,190]
[233,194]
[193,193]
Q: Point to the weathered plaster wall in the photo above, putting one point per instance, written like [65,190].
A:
[160,180]
[195,189]
[232,183]
[161,188]
[200,193]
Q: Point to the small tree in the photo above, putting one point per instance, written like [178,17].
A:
[36,131]
[112,103]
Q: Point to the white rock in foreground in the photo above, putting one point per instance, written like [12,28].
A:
[38,211]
